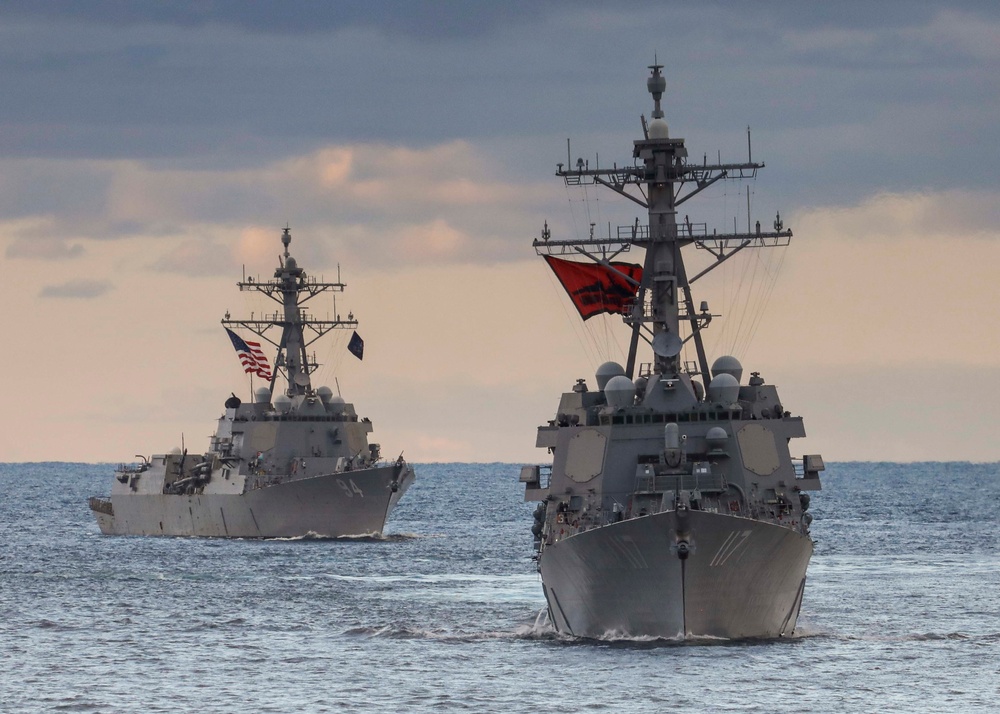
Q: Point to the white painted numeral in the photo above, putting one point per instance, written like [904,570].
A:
[351,489]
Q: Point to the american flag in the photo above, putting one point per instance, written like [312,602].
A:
[253,358]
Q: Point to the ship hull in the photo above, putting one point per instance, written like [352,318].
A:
[332,505]
[741,578]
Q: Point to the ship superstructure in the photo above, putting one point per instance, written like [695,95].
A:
[295,461]
[670,509]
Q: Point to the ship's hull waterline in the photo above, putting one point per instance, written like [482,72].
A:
[742,578]
[328,506]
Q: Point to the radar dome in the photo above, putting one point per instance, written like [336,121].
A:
[658,129]
[282,403]
[324,394]
[620,392]
[723,389]
[727,364]
[262,395]
[336,404]
[606,371]
[716,438]
[290,263]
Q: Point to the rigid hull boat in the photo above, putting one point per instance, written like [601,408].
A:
[669,510]
[290,463]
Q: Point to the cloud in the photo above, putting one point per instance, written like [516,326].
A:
[448,202]
[195,257]
[77,289]
[44,249]
[430,20]
[907,216]
[400,180]
[432,241]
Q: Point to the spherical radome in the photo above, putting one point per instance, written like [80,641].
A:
[620,392]
[606,371]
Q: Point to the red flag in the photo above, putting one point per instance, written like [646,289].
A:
[596,288]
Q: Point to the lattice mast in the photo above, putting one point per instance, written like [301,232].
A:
[663,180]
[291,288]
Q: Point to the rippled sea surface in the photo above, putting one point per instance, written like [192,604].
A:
[901,613]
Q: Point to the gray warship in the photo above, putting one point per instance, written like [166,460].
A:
[669,510]
[291,463]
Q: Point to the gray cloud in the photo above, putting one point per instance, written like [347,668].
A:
[378,202]
[845,99]
[434,19]
[77,289]
[430,19]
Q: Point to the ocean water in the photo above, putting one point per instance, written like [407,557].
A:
[901,612]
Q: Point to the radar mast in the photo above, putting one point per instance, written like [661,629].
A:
[660,180]
[291,330]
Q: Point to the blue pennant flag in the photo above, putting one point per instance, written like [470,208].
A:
[356,346]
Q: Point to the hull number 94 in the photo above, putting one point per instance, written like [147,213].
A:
[350,488]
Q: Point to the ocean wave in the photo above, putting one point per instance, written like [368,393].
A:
[935,636]
[910,637]
[403,632]
[209,624]
[537,630]
[45,624]
[357,538]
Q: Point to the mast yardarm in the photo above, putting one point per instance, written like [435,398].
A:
[660,180]
[291,288]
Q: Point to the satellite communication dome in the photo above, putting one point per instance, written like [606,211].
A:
[727,364]
[723,389]
[282,403]
[262,395]
[658,129]
[336,404]
[290,263]
[324,394]
[620,392]
[606,371]
[716,437]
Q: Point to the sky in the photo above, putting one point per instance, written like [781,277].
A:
[151,152]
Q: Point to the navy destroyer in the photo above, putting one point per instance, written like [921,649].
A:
[669,510]
[293,462]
